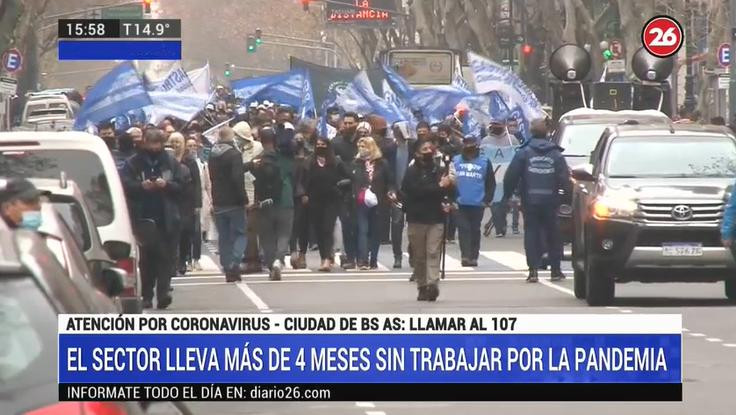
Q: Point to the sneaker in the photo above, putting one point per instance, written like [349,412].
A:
[164,303]
[433,291]
[348,265]
[232,276]
[326,266]
[275,274]
[515,231]
[373,266]
[557,275]
[422,294]
[412,278]
[473,263]
[500,234]
[147,304]
[533,277]
[364,267]
[196,266]
[190,266]
[397,263]
[465,263]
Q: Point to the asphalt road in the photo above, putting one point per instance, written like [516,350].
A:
[496,286]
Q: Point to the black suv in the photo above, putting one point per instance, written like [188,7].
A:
[648,207]
[578,132]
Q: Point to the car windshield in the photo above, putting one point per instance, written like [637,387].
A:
[675,157]
[84,167]
[580,139]
[27,336]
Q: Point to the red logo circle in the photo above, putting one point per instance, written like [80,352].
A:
[662,36]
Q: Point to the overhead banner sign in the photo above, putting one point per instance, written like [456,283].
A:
[423,67]
[367,13]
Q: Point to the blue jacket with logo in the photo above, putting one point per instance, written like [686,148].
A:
[729,217]
[540,171]
[476,181]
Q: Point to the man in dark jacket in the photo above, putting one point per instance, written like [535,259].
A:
[153,182]
[346,148]
[274,200]
[540,171]
[228,202]
[424,188]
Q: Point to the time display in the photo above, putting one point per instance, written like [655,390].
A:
[90,29]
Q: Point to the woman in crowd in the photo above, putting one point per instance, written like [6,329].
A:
[191,201]
[318,190]
[202,218]
[373,184]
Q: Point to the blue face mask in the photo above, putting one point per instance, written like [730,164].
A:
[31,220]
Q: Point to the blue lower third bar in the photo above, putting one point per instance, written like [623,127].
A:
[104,50]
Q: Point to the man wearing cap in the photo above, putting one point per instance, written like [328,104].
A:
[476,185]
[251,149]
[539,171]
[20,204]
[498,137]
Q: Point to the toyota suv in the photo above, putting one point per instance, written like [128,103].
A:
[648,207]
[578,132]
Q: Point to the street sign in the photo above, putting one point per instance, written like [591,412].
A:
[662,36]
[616,66]
[128,11]
[12,60]
[8,86]
[724,54]
[617,48]
[724,81]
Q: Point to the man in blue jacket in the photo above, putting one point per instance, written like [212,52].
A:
[539,171]
[476,184]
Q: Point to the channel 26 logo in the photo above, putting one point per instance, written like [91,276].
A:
[662,36]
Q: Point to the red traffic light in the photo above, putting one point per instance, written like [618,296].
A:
[527,49]
[147,6]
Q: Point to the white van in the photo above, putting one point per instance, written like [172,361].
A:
[86,160]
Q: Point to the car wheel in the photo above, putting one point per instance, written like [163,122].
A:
[578,273]
[731,290]
[600,288]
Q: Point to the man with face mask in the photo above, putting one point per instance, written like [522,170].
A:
[497,138]
[346,148]
[153,183]
[539,171]
[106,132]
[20,204]
[476,184]
[128,145]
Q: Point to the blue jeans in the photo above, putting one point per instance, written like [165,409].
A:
[369,238]
[230,223]
[542,234]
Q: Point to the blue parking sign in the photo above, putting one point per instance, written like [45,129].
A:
[12,60]
[724,54]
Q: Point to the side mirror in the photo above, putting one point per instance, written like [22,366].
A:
[113,281]
[117,249]
[583,173]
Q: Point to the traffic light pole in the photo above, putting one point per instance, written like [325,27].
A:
[732,67]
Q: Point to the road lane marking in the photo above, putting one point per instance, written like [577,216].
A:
[625,311]
[355,280]
[684,330]
[697,334]
[365,404]
[254,298]
[713,340]
[557,287]
[219,275]
[375,413]
[208,264]
[729,345]
[510,259]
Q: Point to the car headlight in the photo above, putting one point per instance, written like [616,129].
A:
[613,207]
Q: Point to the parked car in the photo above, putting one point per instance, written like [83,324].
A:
[34,289]
[87,161]
[648,207]
[578,132]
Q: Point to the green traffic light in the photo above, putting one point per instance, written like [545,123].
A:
[251,49]
[607,55]
[259,41]
[228,73]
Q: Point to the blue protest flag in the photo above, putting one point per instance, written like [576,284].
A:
[118,92]
[359,97]
[290,88]
[460,83]
[175,104]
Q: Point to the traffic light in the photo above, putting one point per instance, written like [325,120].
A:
[527,49]
[228,70]
[147,6]
[607,54]
[252,44]
[259,34]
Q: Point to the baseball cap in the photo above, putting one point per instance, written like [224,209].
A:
[18,189]
[470,138]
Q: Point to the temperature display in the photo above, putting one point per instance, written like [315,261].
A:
[160,28]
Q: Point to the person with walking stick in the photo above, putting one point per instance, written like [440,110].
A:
[425,188]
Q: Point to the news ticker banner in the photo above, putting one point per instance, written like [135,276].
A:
[384,357]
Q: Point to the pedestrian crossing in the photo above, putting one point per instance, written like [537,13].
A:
[489,261]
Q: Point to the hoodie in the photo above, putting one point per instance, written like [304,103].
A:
[540,171]
[227,175]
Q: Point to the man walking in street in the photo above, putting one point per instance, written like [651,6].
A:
[251,150]
[540,171]
[153,184]
[346,148]
[476,184]
[499,140]
[229,201]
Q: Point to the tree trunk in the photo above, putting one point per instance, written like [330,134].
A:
[568,33]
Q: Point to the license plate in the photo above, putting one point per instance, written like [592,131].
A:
[682,249]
